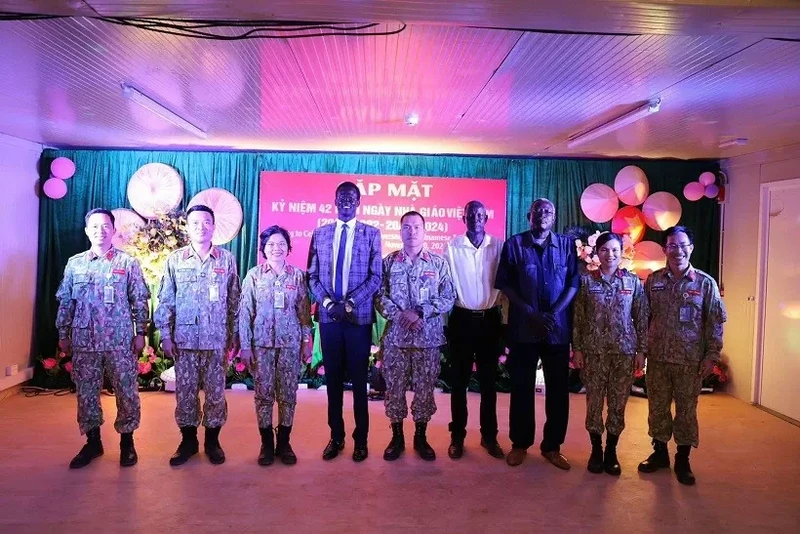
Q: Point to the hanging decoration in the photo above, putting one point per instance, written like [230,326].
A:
[228,215]
[649,257]
[599,203]
[155,189]
[631,185]
[126,223]
[62,168]
[662,210]
[54,188]
[629,221]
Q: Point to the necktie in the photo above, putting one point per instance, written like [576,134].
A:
[338,286]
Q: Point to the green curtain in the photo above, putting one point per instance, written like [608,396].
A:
[102,175]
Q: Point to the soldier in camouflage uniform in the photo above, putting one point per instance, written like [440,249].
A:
[609,340]
[416,295]
[683,344]
[196,314]
[275,332]
[102,302]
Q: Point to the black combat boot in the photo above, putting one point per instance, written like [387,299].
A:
[683,471]
[90,451]
[127,452]
[658,460]
[424,450]
[188,447]
[267,454]
[283,449]
[595,464]
[397,445]
[212,447]
[610,462]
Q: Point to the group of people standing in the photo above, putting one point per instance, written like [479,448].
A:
[607,317]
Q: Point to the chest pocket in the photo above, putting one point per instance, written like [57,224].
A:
[80,285]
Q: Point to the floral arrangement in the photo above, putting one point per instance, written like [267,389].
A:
[154,241]
[150,366]
[57,371]
[585,248]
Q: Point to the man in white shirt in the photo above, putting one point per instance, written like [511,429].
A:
[474,328]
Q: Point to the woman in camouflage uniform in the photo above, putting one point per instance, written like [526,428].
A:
[609,341]
[275,332]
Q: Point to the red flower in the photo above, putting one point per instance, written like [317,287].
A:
[240,367]
[49,363]
[68,367]
[321,370]
[474,367]
[144,368]
[378,364]
[62,355]
[638,374]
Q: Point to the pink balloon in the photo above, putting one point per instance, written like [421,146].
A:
[55,188]
[62,168]
[711,191]
[707,178]
[694,191]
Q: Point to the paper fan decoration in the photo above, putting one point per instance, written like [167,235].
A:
[599,203]
[649,257]
[631,185]
[228,214]
[127,223]
[661,210]
[155,188]
[629,220]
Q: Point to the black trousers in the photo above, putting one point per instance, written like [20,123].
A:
[474,337]
[345,348]
[523,359]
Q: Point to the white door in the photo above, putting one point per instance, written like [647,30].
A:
[781,348]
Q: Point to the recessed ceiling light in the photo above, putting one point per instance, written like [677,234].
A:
[412,119]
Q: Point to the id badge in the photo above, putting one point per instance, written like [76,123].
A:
[424,294]
[108,295]
[279,300]
[627,284]
[213,293]
[685,314]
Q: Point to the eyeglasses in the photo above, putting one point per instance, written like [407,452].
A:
[543,211]
[674,247]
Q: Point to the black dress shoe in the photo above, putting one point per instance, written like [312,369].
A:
[456,449]
[360,453]
[493,448]
[332,449]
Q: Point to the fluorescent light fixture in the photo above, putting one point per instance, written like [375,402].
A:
[148,103]
[739,141]
[634,115]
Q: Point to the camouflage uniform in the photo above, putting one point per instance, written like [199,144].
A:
[685,328]
[100,301]
[274,329]
[197,305]
[426,286]
[610,328]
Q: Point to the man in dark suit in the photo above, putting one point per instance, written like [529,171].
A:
[344,273]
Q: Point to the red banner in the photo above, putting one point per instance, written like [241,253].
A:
[301,201]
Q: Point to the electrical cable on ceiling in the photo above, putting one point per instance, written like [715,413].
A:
[202,28]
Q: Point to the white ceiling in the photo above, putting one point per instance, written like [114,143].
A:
[722,69]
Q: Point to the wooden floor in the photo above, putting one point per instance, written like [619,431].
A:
[748,470]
